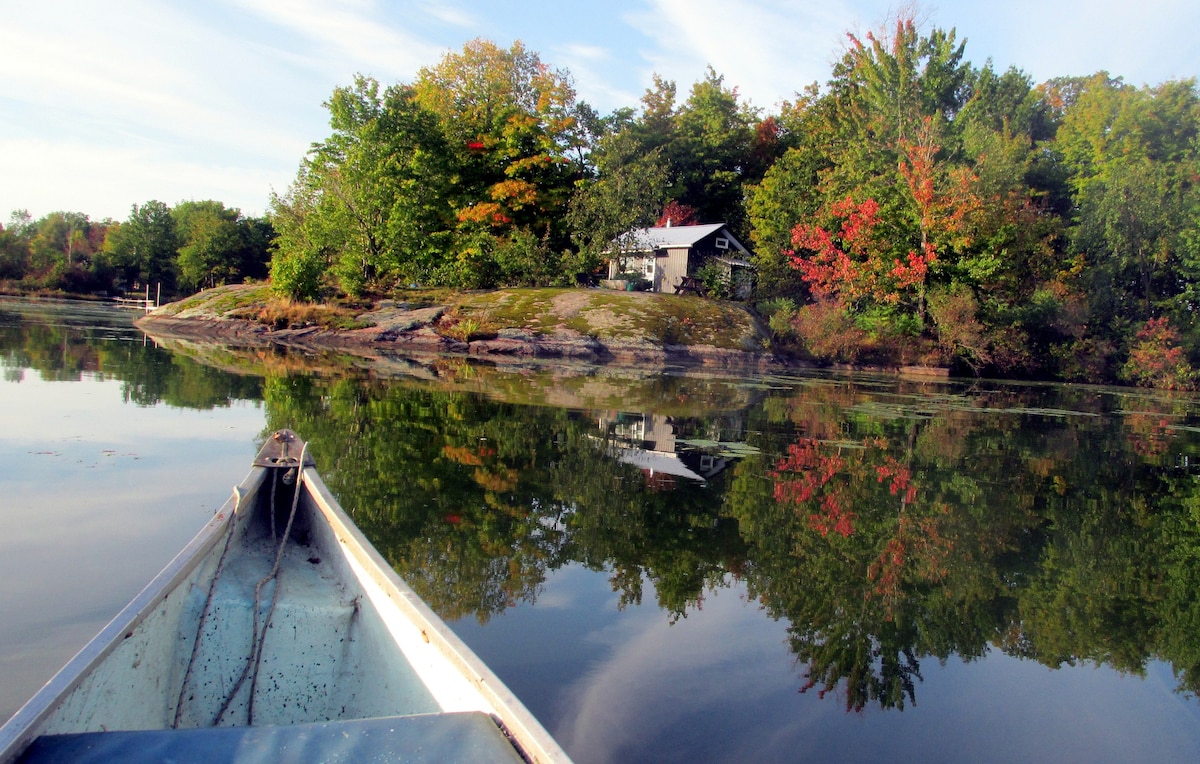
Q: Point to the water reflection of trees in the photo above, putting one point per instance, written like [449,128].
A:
[67,343]
[474,501]
[887,528]
[893,530]
[888,524]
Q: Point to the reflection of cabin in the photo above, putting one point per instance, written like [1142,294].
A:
[667,256]
[647,441]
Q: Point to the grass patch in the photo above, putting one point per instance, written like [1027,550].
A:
[242,299]
[531,310]
[280,313]
[464,326]
[637,317]
[414,299]
[219,302]
[674,320]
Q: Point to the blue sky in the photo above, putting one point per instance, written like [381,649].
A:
[110,103]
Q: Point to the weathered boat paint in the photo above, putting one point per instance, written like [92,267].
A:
[345,637]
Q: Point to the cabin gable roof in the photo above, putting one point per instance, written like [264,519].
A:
[677,237]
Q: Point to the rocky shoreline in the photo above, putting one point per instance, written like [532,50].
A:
[548,331]
[415,333]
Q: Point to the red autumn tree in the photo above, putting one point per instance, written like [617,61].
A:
[804,475]
[1157,358]
[945,197]
[677,213]
[852,263]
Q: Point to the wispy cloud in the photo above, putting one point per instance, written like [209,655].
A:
[154,76]
[655,675]
[356,32]
[450,14]
[238,84]
[769,49]
[129,69]
[583,52]
[1146,42]
[591,68]
[147,100]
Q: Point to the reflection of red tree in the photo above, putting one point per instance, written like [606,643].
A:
[808,470]
[472,457]
[462,455]
[901,479]
[831,487]
[805,471]
[917,542]
[886,570]
[1148,434]
[832,518]
[498,479]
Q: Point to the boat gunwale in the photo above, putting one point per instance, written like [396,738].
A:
[529,737]
[24,726]
[532,739]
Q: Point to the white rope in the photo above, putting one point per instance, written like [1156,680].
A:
[259,636]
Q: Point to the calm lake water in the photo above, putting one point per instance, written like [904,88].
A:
[663,567]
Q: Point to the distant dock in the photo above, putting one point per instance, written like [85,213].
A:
[140,303]
[137,303]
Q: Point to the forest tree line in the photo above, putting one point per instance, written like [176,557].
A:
[915,209]
[172,250]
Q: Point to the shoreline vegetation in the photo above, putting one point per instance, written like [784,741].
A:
[572,324]
[916,210]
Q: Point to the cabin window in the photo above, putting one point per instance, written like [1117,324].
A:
[721,242]
[648,268]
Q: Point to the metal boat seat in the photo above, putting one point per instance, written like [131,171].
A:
[469,737]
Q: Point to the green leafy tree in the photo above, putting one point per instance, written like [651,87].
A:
[370,201]
[711,146]
[461,178]
[55,238]
[60,252]
[14,245]
[713,152]
[299,255]
[1133,157]
[144,248]
[514,129]
[881,132]
[216,245]
[790,192]
[627,193]
[966,193]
